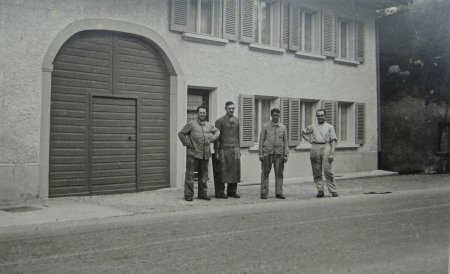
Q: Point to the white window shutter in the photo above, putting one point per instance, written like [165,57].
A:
[295,29]
[285,25]
[294,128]
[328,34]
[247,14]
[359,46]
[230,19]
[331,117]
[246,120]
[360,123]
[179,19]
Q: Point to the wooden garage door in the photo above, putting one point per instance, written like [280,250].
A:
[109,116]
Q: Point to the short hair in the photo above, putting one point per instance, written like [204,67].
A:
[228,103]
[275,110]
[321,109]
[202,106]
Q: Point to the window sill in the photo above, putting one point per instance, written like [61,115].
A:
[346,62]
[347,146]
[307,146]
[254,148]
[308,55]
[267,49]
[204,39]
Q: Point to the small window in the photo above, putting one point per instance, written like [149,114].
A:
[308,111]
[202,14]
[262,115]
[310,32]
[262,23]
[346,125]
[345,37]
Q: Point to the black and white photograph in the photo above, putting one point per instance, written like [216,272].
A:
[225,136]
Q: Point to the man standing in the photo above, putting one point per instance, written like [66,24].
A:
[227,153]
[196,136]
[273,150]
[323,139]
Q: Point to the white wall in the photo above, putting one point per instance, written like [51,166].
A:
[28,29]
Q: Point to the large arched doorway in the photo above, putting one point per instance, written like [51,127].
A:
[109,126]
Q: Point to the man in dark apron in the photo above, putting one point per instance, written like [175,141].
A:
[227,163]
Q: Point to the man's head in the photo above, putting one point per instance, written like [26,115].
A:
[202,112]
[275,113]
[229,108]
[320,115]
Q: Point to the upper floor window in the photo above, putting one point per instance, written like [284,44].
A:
[301,31]
[345,36]
[196,16]
[202,14]
[262,22]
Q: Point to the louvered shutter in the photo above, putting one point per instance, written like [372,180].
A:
[246,119]
[179,19]
[331,117]
[328,34]
[294,128]
[359,46]
[284,108]
[360,123]
[230,19]
[285,25]
[247,14]
[295,29]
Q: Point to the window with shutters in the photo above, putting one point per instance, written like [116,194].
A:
[304,30]
[260,25]
[254,113]
[198,20]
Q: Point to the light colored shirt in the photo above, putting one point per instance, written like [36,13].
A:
[321,133]
[197,136]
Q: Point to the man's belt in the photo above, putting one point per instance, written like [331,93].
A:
[319,143]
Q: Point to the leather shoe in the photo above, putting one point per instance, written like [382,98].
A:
[263,197]
[206,198]
[280,196]
[334,194]
[189,199]
[222,196]
[235,195]
[320,194]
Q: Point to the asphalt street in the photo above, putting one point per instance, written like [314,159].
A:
[400,232]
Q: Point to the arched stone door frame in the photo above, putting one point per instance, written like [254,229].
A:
[177,87]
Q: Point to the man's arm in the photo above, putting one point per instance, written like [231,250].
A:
[333,148]
[182,135]
[217,142]
[286,146]
[262,138]
[215,133]
[306,134]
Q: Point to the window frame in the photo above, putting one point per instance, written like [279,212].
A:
[258,115]
[350,39]
[350,123]
[303,124]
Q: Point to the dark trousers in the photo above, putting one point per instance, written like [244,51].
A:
[266,165]
[231,189]
[201,166]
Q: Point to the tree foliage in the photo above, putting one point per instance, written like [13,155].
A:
[415,53]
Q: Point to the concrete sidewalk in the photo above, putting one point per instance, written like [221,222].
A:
[171,200]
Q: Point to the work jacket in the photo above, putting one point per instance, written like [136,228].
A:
[273,140]
[197,136]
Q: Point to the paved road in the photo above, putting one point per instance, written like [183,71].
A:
[402,232]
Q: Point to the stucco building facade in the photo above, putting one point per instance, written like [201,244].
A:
[94,92]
